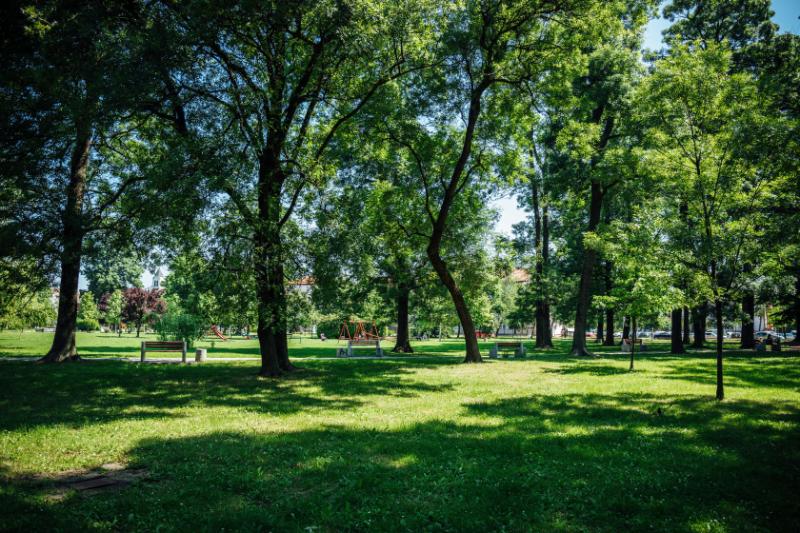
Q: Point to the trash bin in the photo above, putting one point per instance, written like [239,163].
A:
[200,355]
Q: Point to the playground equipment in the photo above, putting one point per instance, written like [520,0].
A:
[360,331]
[215,330]
[360,343]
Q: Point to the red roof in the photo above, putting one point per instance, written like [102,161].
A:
[520,275]
[306,280]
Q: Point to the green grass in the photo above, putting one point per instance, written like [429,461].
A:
[33,344]
[423,443]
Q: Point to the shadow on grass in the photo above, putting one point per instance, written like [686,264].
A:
[575,462]
[773,371]
[99,391]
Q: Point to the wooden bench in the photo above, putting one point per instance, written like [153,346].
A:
[359,343]
[164,346]
[516,346]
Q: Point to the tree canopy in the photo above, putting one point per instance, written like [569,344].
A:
[294,164]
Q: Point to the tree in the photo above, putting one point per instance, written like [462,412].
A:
[485,46]
[643,288]
[746,27]
[140,304]
[703,118]
[81,74]
[741,23]
[777,62]
[602,98]
[110,266]
[300,310]
[176,324]
[88,315]
[113,306]
[212,273]
[28,251]
[32,309]
[533,237]
[285,77]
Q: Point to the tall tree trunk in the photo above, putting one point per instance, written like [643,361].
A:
[63,347]
[609,340]
[433,251]
[269,266]
[548,326]
[590,254]
[699,314]
[633,344]
[403,343]
[748,321]
[683,209]
[676,333]
[541,318]
[599,336]
[473,354]
[266,337]
[718,317]
[585,286]
[686,325]
[281,326]
[544,315]
[796,340]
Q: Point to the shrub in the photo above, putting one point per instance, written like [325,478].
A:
[88,324]
[180,326]
[330,328]
[87,310]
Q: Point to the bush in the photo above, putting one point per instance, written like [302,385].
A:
[180,326]
[330,328]
[88,324]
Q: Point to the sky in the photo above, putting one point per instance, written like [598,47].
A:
[787,16]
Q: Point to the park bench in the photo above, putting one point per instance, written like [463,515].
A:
[627,343]
[516,346]
[360,343]
[164,346]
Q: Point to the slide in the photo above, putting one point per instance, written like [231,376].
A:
[218,333]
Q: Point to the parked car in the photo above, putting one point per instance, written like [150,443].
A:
[735,334]
[765,334]
[662,335]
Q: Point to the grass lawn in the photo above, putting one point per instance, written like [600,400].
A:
[33,344]
[552,443]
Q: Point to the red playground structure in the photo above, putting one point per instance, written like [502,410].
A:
[360,331]
[215,330]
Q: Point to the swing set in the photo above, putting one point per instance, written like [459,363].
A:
[360,331]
